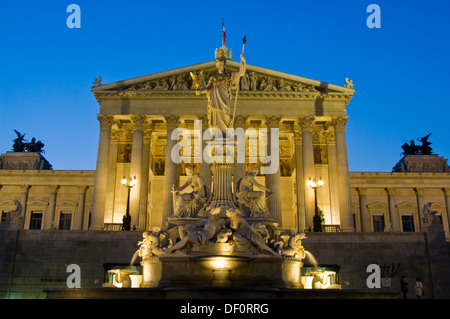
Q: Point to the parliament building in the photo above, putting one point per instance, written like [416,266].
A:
[77,216]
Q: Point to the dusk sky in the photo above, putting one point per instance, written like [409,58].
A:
[400,71]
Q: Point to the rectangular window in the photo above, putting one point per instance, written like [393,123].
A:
[35,220]
[408,223]
[378,223]
[64,221]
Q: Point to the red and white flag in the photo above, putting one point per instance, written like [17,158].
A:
[223,34]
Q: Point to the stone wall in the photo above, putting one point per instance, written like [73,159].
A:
[38,259]
[31,261]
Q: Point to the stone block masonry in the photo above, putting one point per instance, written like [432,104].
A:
[33,260]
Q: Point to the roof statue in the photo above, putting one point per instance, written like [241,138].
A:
[20,144]
[348,83]
[97,81]
[413,149]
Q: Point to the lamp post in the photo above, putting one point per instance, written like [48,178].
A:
[127,218]
[316,219]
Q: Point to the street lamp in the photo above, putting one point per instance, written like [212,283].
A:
[127,218]
[316,219]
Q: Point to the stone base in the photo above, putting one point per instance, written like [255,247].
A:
[187,292]
[236,270]
[422,164]
[11,226]
[24,161]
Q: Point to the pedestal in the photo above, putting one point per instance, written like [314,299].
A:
[222,166]
[151,272]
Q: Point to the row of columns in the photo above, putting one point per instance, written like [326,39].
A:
[139,169]
[304,162]
[49,216]
[394,218]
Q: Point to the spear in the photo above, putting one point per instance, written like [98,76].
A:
[237,89]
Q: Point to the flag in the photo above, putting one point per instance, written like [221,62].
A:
[224,36]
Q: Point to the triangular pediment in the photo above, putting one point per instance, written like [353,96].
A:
[257,81]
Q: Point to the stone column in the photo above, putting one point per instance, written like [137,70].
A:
[393,216]
[170,169]
[50,214]
[419,198]
[79,214]
[447,204]
[273,180]
[137,152]
[205,168]
[112,176]
[24,198]
[343,176]
[143,202]
[332,177]
[308,167]
[101,173]
[365,222]
[239,168]
[300,182]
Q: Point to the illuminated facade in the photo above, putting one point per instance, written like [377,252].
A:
[137,118]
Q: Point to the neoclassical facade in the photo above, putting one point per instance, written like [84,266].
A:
[137,119]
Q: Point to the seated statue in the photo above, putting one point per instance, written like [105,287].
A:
[15,216]
[429,217]
[248,238]
[189,204]
[252,202]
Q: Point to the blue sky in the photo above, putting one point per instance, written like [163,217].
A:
[400,71]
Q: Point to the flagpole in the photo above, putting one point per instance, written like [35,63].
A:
[237,89]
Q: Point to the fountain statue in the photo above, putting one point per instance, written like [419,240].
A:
[233,241]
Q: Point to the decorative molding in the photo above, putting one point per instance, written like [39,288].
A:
[306,123]
[106,121]
[339,123]
[273,121]
[139,122]
[172,121]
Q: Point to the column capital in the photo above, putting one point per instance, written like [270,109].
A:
[25,188]
[273,121]
[82,189]
[240,121]
[54,188]
[172,121]
[203,118]
[106,120]
[339,123]
[418,191]
[361,191]
[389,190]
[148,134]
[139,121]
[297,136]
[306,122]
